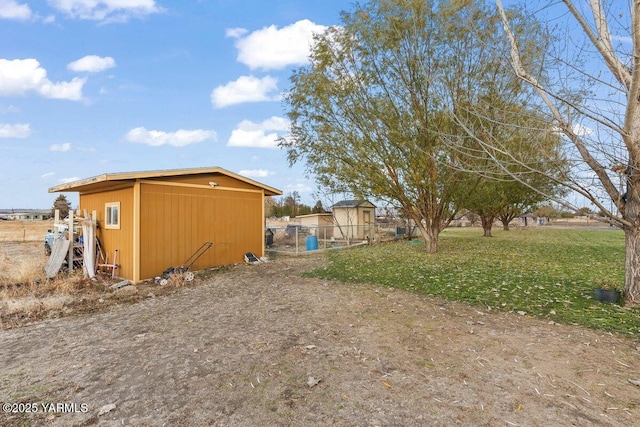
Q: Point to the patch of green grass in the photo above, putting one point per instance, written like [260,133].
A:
[545,273]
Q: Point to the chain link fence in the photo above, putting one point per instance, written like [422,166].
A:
[297,239]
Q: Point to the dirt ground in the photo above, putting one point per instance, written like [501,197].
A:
[260,345]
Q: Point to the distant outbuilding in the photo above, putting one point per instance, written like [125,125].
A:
[354,218]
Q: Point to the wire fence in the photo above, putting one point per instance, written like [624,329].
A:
[24,231]
[299,240]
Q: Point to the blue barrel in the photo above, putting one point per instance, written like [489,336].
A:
[312,243]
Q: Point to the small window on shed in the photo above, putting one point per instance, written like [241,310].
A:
[112,215]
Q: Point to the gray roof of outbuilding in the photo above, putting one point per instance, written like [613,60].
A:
[350,203]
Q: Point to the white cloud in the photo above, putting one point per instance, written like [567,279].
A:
[623,39]
[68,180]
[245,89]
[60,147]
[300,188]
[20,130]
[582,130]
[63,90]
[259,135]
[21,76]
[47,175]
[106,10]
[11,9]
[256,173]
[180,138]
[236,32]
[271,48]
[92,64]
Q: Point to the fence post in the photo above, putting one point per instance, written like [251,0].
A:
[297,241]
[324,237]
[71,239]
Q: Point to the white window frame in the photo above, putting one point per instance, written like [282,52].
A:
[111,222]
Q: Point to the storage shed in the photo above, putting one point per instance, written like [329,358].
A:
[158,219]
[320,224]
[354,218]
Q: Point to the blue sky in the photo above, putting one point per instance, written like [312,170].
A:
[100,86]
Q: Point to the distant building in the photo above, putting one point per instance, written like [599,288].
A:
[321,223]
[354,219]
[33,215]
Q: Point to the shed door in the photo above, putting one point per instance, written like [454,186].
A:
[366,219]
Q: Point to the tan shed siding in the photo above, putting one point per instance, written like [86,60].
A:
[112,239]
[175,221]
[205,179]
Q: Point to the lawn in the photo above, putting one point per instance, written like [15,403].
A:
[546,273]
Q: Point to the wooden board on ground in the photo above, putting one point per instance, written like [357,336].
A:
[58,255]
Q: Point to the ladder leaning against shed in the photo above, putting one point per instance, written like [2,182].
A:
[109,266]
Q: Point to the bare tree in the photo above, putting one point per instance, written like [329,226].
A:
[594,101]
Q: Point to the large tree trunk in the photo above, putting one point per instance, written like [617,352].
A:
[430,234]
[487,224]
[632,242]
[632,266]
[505,219]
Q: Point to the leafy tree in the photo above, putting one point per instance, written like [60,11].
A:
[566,214]
[548,212]
[292,201]
[509,150]
[303,210]
[584,211]
[269,207]
[506,200]
[472,217]
[512,211]
[509,213]
[595,104]
[369,112]
[289,206]
[62,204]
[318,208]
[485,202]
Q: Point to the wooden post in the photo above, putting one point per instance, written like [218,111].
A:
[136,234]
[71,239]
[264,225]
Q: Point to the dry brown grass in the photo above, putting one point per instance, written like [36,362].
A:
[26,292]
[29,293]
[17,269]
[26,295]
[24,231]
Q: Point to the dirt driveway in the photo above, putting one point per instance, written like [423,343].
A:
[259,345]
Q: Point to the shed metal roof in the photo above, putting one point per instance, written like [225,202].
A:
[108,179]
